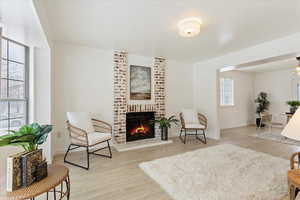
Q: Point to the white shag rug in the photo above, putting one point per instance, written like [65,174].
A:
[222,172]
[276,137]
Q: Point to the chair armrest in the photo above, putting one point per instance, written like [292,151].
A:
[293,161]
[101,126]
[202,119]
[77,134]
[182,120]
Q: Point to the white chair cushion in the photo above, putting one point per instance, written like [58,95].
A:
[97,137]
[195,126]
[190,116]
[81,120]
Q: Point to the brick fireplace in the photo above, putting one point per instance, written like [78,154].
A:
[122,105]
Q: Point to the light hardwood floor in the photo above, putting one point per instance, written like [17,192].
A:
[120,178]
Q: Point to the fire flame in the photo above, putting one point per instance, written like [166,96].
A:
[141,129]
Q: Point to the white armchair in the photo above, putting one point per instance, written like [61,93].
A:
[86,132]
[191,120]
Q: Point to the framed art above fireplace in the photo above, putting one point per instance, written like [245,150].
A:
[140,82]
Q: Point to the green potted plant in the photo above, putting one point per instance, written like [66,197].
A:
[28,136]
[262,105]
[165,124]
[26,167]
[293,106]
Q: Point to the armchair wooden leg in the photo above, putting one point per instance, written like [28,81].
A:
[98,154]
[203,140]
[109,149]
[292,192]
[180,136]
[200,139]
[66,154]
[180,132]
[74,164]
[204,136]
[88,157]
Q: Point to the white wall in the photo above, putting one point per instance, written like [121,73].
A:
[206,97]
[280,87]
[42,93]
[83,81]
[205,73]
[179,90]
[242,113]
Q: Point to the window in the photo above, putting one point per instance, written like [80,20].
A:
[13,85]
[226,92]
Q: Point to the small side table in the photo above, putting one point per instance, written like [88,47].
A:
[293,183]
[58,176]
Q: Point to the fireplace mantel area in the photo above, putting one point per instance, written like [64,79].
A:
[132,118]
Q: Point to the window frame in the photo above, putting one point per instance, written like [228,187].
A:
[25,81]
[222,88]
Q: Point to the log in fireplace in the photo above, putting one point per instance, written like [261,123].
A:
[139,126]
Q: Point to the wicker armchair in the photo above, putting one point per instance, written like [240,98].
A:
[295,160]
[294,164]
[192,121]
[85,132]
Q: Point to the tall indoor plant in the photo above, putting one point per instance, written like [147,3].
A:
[165,124]
[28,136]
[293,106]
[262,105]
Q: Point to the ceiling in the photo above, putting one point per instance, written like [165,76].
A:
[149,27]
[20,22]
[272,66]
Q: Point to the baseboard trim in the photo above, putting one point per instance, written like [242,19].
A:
[237,126]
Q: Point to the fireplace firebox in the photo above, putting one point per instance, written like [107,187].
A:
[139,126]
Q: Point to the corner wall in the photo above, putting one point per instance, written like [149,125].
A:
[280,86]
[242,113]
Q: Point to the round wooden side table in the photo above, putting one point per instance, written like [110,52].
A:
[294,183]
[53,184]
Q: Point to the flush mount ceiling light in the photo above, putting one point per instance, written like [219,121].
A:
[189,27]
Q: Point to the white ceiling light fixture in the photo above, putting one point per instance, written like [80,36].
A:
[189,27]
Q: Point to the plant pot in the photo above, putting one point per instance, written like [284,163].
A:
[164,133]
[258,121]
[293,110]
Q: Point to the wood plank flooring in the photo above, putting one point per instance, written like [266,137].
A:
[120,178]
